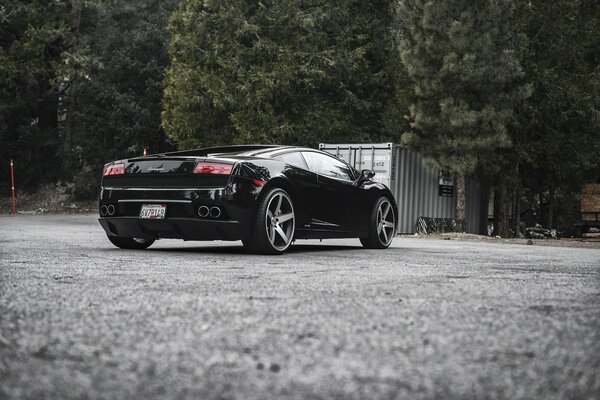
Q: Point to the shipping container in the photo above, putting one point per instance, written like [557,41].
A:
[419,190]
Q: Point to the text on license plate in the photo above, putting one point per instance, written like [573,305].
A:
[153,211]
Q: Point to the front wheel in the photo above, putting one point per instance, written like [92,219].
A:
[383,225]
[130,243]
[273,230]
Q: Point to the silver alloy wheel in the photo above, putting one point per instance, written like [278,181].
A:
[280,221]
[386,223]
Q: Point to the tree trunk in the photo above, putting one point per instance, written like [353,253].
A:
[497,196]
[501,211]
[542,217]
[550,215]
[530,220]
[461,220]
[517,203]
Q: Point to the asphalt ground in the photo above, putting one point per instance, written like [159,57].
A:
[425,319]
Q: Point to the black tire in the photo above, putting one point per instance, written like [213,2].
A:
[275,224]
[382,227]
[130,243]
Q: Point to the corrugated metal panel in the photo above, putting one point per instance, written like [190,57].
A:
[414,185]
[418,192]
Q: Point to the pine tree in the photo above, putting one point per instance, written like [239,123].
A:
[284,71]
[466,81]
[114,105]
[38,49]
[559,131]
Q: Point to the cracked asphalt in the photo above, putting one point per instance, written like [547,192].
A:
[425,319]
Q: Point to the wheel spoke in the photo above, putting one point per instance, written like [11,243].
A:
[387,210]
[388,224]
[281,233]
[285,217]
[278,207]
[272,234]
[379,228]
[385,235]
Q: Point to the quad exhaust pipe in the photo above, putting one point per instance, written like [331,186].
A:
[205,211]
[215,212]
[107,210]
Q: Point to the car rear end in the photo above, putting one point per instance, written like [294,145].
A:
[184,197]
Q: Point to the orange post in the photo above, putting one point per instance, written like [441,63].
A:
[12,179]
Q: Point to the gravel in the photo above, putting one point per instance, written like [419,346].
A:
[425,319]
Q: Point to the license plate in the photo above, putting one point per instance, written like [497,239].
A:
[153,211]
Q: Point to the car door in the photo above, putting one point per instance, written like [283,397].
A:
[342,204]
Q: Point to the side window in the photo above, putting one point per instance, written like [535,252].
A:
[293,158]
[328,166]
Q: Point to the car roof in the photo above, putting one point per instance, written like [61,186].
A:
[254,150]
[280,149]
[240,149]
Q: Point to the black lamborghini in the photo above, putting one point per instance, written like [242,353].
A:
[266,196]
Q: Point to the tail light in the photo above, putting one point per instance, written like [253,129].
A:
[114,169]
[213,168]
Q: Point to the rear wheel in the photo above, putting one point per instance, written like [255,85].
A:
[130,243]
[383,225]
[273,230]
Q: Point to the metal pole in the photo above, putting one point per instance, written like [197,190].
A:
[12,178]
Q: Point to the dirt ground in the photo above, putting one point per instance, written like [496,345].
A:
[51,199]
[590,243]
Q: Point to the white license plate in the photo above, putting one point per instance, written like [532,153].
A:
[153,211]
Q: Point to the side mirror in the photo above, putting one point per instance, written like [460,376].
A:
[365,175]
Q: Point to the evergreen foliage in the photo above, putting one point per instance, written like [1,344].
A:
[466,81]
[113,108]
[38,48]
[559,133]
[80,84]
[280,72]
